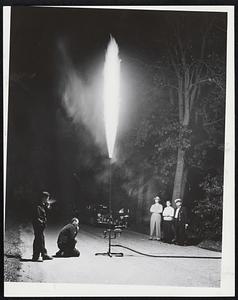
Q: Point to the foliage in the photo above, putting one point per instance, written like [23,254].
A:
[208,211]
[161,129]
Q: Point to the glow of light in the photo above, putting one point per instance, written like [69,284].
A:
[111,93]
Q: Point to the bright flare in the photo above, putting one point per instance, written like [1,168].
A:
[111,93]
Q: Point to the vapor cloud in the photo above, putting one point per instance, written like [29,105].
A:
[82,100]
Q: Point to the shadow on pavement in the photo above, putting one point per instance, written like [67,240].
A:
[29,260]
[55,256]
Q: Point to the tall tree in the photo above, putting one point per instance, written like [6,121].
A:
[181,105]
[189,53]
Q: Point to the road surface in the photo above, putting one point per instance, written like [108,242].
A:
[132,268]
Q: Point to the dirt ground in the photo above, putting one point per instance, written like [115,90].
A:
[88,268]
[130,269]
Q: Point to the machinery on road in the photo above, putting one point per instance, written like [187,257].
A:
[99,215]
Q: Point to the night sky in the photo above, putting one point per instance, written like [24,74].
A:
[45,147]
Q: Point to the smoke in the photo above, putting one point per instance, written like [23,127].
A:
[82,98]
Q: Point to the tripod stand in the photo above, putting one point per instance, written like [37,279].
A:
[109,253]
[110,229]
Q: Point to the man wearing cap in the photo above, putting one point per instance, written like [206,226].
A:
[39,224]
[181,224]
[155,219]
[66,241]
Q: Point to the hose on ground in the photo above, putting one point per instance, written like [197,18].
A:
[166,256]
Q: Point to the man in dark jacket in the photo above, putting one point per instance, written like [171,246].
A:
[39,224]
[66,241]
[181,223]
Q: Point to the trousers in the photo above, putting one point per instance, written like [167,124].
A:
[155,223]
[39,242]
[180,232]
[69,250]
[168,231]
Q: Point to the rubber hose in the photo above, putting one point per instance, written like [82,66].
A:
[166,256]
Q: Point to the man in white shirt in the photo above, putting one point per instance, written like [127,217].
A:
[168,216]
[155,219]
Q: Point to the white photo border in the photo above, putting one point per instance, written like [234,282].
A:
[227,287]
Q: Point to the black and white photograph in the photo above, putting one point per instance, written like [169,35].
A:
[117,149]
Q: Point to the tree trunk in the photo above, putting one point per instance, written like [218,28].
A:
[179,176]
[184,181]
[140,200]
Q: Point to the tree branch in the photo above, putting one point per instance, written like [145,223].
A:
[213,122]
[199,82]
[203,44]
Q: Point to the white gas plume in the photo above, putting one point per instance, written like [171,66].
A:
[111,93]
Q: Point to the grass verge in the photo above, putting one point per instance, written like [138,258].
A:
[211,245]
[12,252]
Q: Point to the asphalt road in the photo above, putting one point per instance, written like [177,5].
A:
[132,268]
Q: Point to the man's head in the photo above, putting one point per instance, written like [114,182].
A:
[178,202]
[75,222]
[45,196]
[168,203]
[157,199]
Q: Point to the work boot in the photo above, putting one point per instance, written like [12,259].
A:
[35,258]
[47,257]
[58,253]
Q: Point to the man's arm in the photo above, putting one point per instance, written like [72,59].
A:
[71,232]
[39,215]
[152,209]
[185,217]
[172,213]
[160,208]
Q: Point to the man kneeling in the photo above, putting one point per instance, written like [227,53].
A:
[66,241]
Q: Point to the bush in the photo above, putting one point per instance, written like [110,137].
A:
[208,211]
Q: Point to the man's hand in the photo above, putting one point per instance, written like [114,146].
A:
[186,226]
[48,206]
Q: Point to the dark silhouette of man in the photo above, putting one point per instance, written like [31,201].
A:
[180,222]
[39,224]
[66,240]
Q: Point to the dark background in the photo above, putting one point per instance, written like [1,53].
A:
[47,150]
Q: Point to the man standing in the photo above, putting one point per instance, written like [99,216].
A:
[66,240]
[181,224]
[39,224]
[155,219]
[168,216]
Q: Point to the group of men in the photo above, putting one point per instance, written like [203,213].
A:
[67,237]
[173,222]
